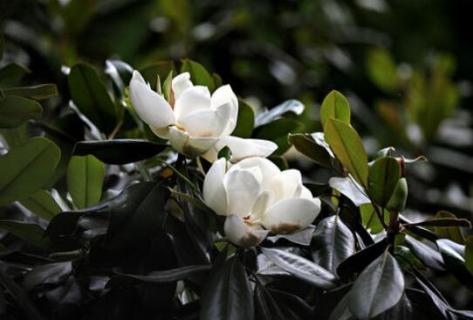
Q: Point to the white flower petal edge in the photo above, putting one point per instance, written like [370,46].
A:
[242,234]
[261,196]
[151,107]
[242,148]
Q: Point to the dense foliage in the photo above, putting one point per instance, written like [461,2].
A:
[103,215]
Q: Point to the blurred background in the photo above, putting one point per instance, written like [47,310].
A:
[405,65]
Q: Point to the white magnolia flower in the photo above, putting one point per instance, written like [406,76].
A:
[258,198]
[195,121]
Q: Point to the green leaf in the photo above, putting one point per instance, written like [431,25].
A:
[453,232]
[159,70]
[228,294]
[382,69]
[27,168]
[170,275]
[199,75]
[16,110]
[39,92]
[120,73]
[119,151]
[443,222]
[245,121]
[301,268]
[348,148]
[332,243]
[357,262]
[31,233]
[42,204]
[278,131]
[453,257]
[469,253]
[429,257]
[383,176]
[85,179]
[350,189]
[305,144]
[335,106]
[378,288]
[287,107]
[91,97]
[12,73]
[370,219]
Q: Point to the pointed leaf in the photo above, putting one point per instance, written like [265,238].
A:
[84,180]
[27,168]
[335,106]
[199,75]
[347,146]
[453,232]
[332,243]
[290,106]
[383,176]
[170,275]
[424,253]
[378,288]
[305,144]
[301,268]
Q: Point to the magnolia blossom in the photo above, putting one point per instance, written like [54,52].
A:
[195,121]
[258,198]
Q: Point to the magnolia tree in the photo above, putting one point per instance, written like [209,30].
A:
[159,194]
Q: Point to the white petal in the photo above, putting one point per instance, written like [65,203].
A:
[245,148]
[349,188]
[267,168]
[188,145]
[287,184]
[262,203]
[193,99]
[242,189]
[225,95]
[151,107]
[214,192]
[180,83]
[287,216]
[211,155]
[206,123]
[161,132]
[305,193]
[241,234]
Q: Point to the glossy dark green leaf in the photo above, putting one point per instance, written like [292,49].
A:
[228,294]
[16,110]
[47,274]
[42,204]
[469,253]
[245,121]
[170,275]
[278,131]
[358,262]
[301,268]
[27,168]
[85,176]
[287,107]
[452,232]
[199,75]
[90,95]
[455,261]
[29,232]
[350,189]
[306,145]
[11,73]
[378,288]
[443,222]
[332,243]
[383,176]
[266,306]
[335,106]
[119,151]
[39,92]
[120,73]
[341,311]
[348,148]
[429,256]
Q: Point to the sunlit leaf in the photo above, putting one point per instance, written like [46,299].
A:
[335,106]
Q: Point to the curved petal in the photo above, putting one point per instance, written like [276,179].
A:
[178,139]
[287,216]
[188,145]
[245,148]
[214,192]
[266,167]
[225,95]
[180,83]
[242,188]
[241,234]
[151,107]
[161,132]
[287,184]
[261,204]
[196,98]
[206,123]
